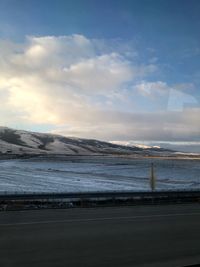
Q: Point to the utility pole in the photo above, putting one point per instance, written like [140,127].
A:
[152,178]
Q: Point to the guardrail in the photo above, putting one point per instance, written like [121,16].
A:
[109,194]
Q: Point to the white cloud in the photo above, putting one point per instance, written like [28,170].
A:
[99,74]
[178,100]
[81,89]
[151,89]
[52,79]
[166,125]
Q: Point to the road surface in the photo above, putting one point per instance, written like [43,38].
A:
[146,236]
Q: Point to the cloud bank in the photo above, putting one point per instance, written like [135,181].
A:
[81,88]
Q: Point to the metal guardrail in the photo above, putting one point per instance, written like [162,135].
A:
[109,194]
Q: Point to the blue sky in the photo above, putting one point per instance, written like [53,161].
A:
[133,67]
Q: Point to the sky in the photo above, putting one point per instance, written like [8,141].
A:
[114,70]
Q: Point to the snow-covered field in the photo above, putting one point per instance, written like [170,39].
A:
[96,174]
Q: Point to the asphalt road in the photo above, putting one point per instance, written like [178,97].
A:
[112,237]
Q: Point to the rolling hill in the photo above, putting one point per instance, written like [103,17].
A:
[18,142]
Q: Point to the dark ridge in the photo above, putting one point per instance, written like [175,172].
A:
[88,148]
[95,143]
[10,136]
[45,140]
[73,150]
[79,143]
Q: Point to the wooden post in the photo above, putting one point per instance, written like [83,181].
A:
[152,178]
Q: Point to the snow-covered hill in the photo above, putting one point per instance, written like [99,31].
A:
[132,144]
[19,142]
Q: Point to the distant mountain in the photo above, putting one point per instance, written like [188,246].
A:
[17,142]
[132,144]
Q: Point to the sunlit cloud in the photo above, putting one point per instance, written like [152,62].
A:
[82,88]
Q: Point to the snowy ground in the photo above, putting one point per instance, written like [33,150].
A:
[96,174]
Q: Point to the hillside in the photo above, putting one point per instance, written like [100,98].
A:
[18,142]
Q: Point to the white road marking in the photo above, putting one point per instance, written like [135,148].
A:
[101,219]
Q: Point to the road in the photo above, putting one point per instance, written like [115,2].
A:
[146,236]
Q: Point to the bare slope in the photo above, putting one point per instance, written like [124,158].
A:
[19,142]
